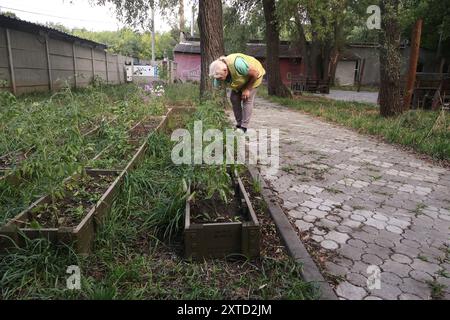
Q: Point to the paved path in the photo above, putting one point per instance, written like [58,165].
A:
[357,202]
[363,96]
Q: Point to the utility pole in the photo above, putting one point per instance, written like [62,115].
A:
[193,21]
[153,34]
[413,59]
[181,18]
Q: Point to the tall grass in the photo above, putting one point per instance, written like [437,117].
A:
[133,258]
[182,94]
[53,126]
[424,131]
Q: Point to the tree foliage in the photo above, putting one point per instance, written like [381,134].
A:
[241,24]
[131,43]
[436,22]
[137,13]
[8,14]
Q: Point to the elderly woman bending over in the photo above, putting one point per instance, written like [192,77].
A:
[243,74]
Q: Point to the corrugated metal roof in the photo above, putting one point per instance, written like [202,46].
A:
[25,26]
[188,47]
[256,49]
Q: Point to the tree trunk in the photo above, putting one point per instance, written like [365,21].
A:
[320,56]
[302,44]
[314,56]
[333,65]
[390,59]
[413,60]
[181,18]
[325,62]
[338,47]
[211,40]
[275,85]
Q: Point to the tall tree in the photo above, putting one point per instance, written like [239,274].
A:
[436,26]
[319,29]
[181,18]
[274,83]
[241,24]
[134,12]
[8,14]
[129,42]
[211,40]
[390,59]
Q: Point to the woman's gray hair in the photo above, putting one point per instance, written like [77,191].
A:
[217,68]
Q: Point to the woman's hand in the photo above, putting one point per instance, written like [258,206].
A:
[245,95]
[253,75]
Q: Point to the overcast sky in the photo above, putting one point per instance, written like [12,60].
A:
[74,14]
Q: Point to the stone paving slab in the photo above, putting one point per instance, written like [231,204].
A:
[359,203]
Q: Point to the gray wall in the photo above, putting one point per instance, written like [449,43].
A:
[36,69]
[345,73]
[371,75]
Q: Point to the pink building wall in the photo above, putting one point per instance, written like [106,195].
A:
[188,66]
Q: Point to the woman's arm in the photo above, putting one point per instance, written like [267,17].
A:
[253,75]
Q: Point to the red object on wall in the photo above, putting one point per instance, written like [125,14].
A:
[289,67]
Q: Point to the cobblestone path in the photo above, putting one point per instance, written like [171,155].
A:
[357,203]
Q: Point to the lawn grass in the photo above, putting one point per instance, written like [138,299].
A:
[423,131]
[137,252]
[355,88]
[182,94]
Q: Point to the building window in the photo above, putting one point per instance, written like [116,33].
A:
[288,75]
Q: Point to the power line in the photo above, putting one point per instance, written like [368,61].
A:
[53,16]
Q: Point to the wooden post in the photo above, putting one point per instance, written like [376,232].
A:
[106,64]
[413,59]
[132,69]
[118,70]
[11,62]
[49,65]
[93,64]
[361,74]
[74,65]
[169,71]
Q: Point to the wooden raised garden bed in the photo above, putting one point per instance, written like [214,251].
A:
[177,118]
[11,160]
[70,218]
[228,229]
[95,129]
[133,153]
[142,129]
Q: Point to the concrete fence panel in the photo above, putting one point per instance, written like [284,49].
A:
[36,62]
